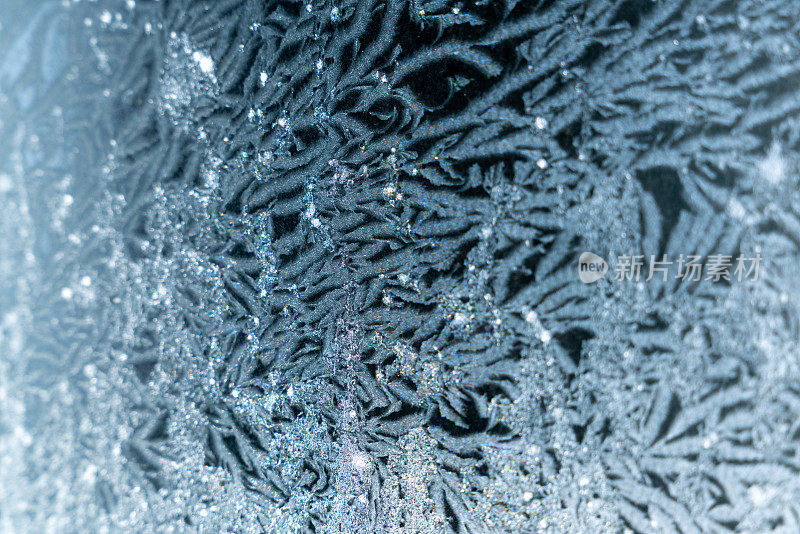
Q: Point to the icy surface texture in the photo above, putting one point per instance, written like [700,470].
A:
[294,266]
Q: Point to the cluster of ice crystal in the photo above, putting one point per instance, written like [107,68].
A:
[311,267]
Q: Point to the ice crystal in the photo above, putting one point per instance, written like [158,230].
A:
[312,267]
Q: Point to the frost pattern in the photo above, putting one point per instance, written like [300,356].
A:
[309,266]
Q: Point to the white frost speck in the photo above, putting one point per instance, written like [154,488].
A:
[361,461]
[5,183]
[757,495]
[735,209]
[773,167]
[203,61]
